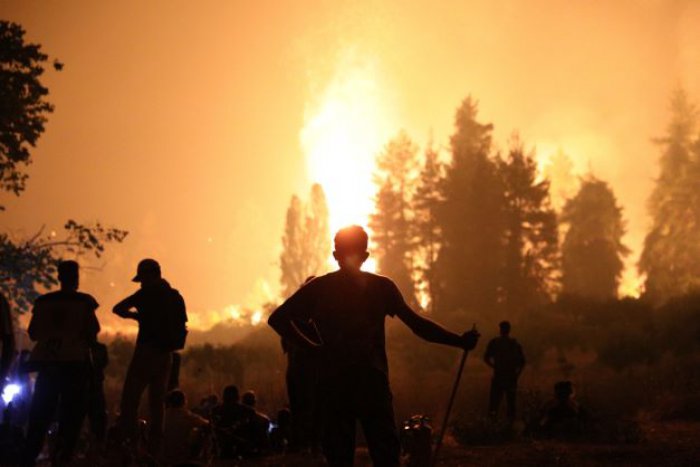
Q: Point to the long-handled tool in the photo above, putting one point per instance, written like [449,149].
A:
[455,386]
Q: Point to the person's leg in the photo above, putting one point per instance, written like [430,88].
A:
[295,406]
[511,392]
[135,383]
[97,409]
[377,419]
[338,442]
[41,412]
[159,363]
[73,405]
[495,396]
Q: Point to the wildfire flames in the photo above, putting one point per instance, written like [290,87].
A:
[345,128]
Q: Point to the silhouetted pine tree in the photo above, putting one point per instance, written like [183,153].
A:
[306,243]
[318,234]
[471,220]
[426,230]
[390,222]
[671,255]
[531,243]
[592,252]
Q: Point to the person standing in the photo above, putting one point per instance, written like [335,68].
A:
[7,335]
[64,327]
[160,312]
[505,356]
[349,307]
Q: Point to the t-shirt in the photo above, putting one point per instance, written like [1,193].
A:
[153,303]
[507,355]
[64,326]
[349,311]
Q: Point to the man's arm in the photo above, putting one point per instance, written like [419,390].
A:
[433,332]
[422,326]
[125,308]
[93,325]
[36,327]
[295,307]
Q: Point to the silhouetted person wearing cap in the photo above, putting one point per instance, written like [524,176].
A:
[505,355]
[349,308]
[64,327]
[160,311]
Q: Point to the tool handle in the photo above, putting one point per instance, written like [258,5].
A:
[438,445]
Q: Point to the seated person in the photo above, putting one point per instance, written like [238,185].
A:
[232,421]
[260,427]
[183,431]
[562,415]
[281,432]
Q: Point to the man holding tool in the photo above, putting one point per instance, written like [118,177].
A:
[348,307]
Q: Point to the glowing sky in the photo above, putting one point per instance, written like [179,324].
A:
[192,123]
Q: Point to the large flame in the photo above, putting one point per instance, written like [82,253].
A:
[345,128]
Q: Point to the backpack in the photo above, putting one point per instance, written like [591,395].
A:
[175,324]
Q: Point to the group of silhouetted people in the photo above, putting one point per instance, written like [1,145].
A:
[332,330]
[69,362]
[231,430]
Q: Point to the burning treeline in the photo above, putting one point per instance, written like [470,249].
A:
[465,228]
[473,234]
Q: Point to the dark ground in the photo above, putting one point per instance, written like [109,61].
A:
[666,444]
[669,444]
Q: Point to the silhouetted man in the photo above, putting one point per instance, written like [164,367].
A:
[7,335]
[505,355]
[349,307]
[160,312]
[64,327]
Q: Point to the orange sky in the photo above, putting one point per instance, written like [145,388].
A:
[183,121]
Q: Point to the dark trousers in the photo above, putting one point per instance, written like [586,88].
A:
[304,402]
[63,387]
[359,394]
[97,408]
[149,368]
[501,386]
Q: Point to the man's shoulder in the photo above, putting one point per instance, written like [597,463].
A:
[86,297]
[63,296]
[382,282]
[49,297]
[373,276]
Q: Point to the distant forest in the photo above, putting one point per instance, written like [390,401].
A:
[472,234]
